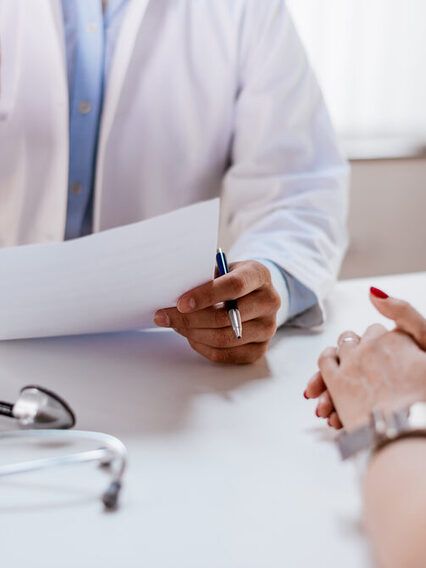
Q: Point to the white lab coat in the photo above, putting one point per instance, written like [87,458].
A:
[205,97]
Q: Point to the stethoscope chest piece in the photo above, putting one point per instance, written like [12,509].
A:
[39,408]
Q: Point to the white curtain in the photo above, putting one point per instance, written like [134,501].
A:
[370,58]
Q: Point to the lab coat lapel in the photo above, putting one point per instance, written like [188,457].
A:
[10,36]
[123,51]
[56,12]
[60,117]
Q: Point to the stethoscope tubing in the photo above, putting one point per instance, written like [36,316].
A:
[37,465]
[112,450]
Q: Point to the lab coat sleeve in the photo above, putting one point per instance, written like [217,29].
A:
[295,297]
[285,194]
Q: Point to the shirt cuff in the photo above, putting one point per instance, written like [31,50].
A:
[295,297]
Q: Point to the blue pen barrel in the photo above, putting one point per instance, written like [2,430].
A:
[221,263]
[223,269]
[231,305]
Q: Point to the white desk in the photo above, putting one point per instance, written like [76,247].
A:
[228,466]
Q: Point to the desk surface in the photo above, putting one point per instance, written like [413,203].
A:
[228,466]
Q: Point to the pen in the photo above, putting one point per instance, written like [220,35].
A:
[231,306]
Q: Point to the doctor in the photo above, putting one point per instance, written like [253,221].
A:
[115,111]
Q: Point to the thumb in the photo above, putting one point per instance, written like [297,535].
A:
[407,319]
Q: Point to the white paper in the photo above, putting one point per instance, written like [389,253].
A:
[110,281]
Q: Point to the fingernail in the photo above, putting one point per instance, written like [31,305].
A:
[329,422]
[378,293]
[162,319]
[317,413]
[306,396]
[186,304]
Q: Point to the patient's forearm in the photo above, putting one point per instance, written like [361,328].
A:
[395,504]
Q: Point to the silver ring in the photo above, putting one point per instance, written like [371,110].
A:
[346,339]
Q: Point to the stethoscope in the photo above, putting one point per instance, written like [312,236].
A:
[44,415]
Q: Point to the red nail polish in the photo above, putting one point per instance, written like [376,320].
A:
[378,293]
[317,413]
[306,396]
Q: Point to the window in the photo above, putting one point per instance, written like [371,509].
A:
[370,58]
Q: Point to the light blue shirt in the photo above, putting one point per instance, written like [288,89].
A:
[90,38]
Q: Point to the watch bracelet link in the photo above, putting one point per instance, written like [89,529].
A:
[382,430]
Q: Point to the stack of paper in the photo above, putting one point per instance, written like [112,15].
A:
[111,281]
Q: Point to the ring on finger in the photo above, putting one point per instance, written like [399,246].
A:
[346,339]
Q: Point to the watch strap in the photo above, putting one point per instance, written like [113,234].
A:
[350,443]
[381,430]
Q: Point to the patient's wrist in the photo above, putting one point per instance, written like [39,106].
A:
[383,428]
[400,446]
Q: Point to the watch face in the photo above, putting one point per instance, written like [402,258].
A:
[417,416]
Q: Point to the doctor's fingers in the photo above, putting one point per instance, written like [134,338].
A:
[242,355]
[245,277]
[257,304]
[254,331]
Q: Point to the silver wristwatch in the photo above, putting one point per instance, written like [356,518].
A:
[384,429]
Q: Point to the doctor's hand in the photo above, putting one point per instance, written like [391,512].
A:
[205,324]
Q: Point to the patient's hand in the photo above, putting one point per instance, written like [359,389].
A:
[407,319]
[385,370]
[206,326]
[380,370]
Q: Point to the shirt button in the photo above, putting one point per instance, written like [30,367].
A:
[92,27]
[76,188]
[84,107]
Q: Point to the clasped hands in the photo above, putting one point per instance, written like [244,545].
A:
[201,317]
[380,370]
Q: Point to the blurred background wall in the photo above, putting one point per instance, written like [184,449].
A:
[387,218]
[369,56]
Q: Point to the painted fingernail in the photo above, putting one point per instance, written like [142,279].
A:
[317,413]
[378,293]
[162,319]
[306,396]
[186,304]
